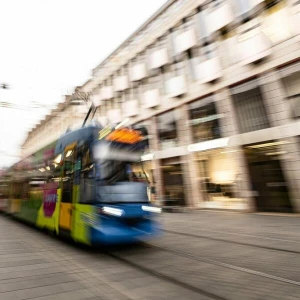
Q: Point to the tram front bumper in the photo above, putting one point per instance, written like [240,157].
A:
[113,235]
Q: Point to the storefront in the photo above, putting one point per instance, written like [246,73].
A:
[216,164]
[219,180]
[268,179]
[173,186]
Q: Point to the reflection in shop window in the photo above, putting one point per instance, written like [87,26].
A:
[167,130]
[204,121]
[219,180]
[173,186]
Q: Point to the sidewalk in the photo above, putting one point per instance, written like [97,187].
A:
[235,256]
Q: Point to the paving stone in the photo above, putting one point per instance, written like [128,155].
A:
[34,265]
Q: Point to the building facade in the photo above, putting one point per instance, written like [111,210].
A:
[217,84]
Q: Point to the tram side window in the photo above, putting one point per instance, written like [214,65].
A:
[87,178]
[25,190]
[17,192]
[68,176]
[87,170]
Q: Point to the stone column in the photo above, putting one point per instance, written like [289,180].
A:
[229,127]
[154,146]
[290,162]
[188,164]
[278,110]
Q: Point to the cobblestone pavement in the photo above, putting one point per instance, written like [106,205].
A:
[201,255]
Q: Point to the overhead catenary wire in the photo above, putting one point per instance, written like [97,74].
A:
[23,107]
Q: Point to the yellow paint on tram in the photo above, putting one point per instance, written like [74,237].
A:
[52,222]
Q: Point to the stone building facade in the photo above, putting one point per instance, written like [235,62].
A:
[217,84]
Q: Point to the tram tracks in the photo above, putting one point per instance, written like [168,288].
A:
[139,264]
[166,277]
[225,265]
[232,242]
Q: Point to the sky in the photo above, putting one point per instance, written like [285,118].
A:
[49,47]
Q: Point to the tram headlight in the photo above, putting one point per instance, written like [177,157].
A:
[151,209]
[112,211]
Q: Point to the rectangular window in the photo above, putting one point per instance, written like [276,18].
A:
[209,51]
[202,23]
[158,60]
[230,46]
[135,92]
[155,84]
[176,69]
[250,110]
[292,89]
[204,120]
[87,177]
[167,129]
[151,83]
[68,175]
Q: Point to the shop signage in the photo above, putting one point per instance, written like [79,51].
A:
[218,143]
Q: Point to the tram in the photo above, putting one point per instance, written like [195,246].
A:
[83,186]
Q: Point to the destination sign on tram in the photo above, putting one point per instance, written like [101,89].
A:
[124,135]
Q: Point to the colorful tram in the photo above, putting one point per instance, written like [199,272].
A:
[83,186]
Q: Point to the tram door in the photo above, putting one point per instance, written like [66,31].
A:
[66,204]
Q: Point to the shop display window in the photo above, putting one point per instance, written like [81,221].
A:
[204,121]
[167,129]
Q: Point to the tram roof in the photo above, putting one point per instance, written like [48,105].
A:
[83,134]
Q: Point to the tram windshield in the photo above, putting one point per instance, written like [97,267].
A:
[114,174]
[113,163]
